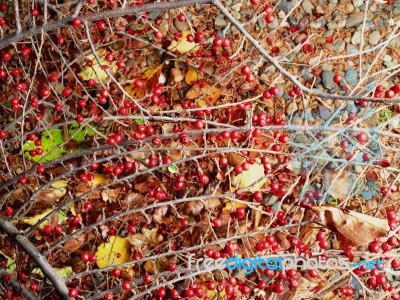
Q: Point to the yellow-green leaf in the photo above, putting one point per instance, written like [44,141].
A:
[11,265]
[192,76]
[33,220]
[61,272]
[182,45]
[254,174]
[96,72]
[115,251]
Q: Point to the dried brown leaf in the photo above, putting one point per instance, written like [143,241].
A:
[354,228]
[111,195]
[160,216]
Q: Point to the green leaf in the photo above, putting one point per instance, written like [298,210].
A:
[79,133]
[173,169]
[10,262]
[385,115]
[139,121]
[52,140]
[332,201]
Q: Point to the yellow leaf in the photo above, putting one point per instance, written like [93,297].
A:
[149,78]
[115,251]
[33,220]
[99,179]
[61,272]
[211,93]
[192,75]
[96,72]
[151,267]
[233,205]
[254,174]
[212,294]
[60,184]
[182,45]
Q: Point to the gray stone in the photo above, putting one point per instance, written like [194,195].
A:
[154,14]
[291,108]
[321,22]
[352,49]
[181,26]
[356,38]
[327,67]
[286,96]
[274,24]
[357,3]
[395,42]
[299,38]
[339,46]
[309,116]
[327,79]
[220,22]
[332,5]
[286,5]
[301,138]
[351,76]
[374,38]
[354,20]
[307,6]
[292,21]
[351,107]
[390,64]
[303,23]
[307,76]
[366,195]
[324,112]
[387,58]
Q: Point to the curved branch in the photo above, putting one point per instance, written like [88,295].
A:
[23,34]
[40,260]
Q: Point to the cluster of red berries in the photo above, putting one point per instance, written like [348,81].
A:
[120,168]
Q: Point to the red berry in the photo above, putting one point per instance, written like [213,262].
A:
[158,35]
[35,12]
[204,179]
[126,285]
[73,293]
[6,57]
[79,118]
[337,78]
[390,94]
[147,278]
[23,180]
[269,18]
[101,25]
[362,137]
[274,91]
[199,36]
[246,70]
[396,88]
[268,9]
[217,222]
[76,22]
[182,17]
[199,124]
[161,292]
[313,273]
